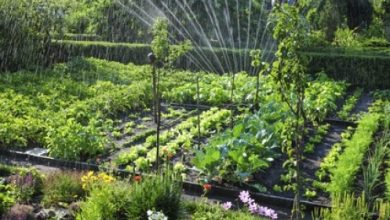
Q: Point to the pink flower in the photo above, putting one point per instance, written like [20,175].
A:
[227,205]
[254,208]
[245,197]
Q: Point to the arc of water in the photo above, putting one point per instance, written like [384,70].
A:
[149,24]
[213,18]
[200,30]
[248,33]
[239,32]
[230,29]
[258,30]
[197,47]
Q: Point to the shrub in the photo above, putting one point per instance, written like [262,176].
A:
[106,202]
[74,141]
[161,193]
[120,200]
[6,198]
[62,187]
[345,207]
[26,184]
[346,37]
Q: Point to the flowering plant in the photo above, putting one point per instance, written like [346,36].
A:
[91,178]
[255,208]
[137,178]
[153,215]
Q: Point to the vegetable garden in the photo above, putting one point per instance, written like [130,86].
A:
[159,141]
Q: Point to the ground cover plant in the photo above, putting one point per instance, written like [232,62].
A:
[78,109]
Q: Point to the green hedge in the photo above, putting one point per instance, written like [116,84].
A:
[364,67]
[199,59]
[120,52]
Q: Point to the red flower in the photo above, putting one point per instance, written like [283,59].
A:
[206,187]
[137,178]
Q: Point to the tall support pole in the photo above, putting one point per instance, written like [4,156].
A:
[158,123]
[156,104]
[198,107]
[232,102]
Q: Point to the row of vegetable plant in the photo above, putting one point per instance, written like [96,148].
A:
[173,140]
[255,142]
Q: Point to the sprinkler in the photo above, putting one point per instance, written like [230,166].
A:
[151,58]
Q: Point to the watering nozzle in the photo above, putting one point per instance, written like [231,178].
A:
[151,58]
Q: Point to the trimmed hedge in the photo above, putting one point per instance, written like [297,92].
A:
[218,60]
[120,52]
[363,67]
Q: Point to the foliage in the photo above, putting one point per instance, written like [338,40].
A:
[247,148]
[120,200]
[7,198]
[205,210]
[108,202]
[344,206]
[349,104]
[289,74]
[62,187]
[372,171]
[27,184]
[73,141]
[343,174]
[344,37]
[26,29]
[165,196]
[91,180]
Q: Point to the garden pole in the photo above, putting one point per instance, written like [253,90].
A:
[158,123]
[198,107]
[232,103]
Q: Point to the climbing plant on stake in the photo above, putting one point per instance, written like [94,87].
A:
[164,55]
[256,63]
[289,75]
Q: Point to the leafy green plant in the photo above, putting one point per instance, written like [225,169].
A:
[107,201]
[343,174]
[372,171]
[165,196]
[345,37]
[62,187]
[205,210]
[349,104]
[7,198]
[344,206]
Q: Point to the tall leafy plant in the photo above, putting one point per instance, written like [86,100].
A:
[163,56]
[289,75]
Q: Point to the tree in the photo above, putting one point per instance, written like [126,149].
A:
[289,75]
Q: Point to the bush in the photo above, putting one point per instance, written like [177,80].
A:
[120,200]
[106,202]
[74,141]
[345,37]
[160,193]
[62,187]
[363,67]
[6,198]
